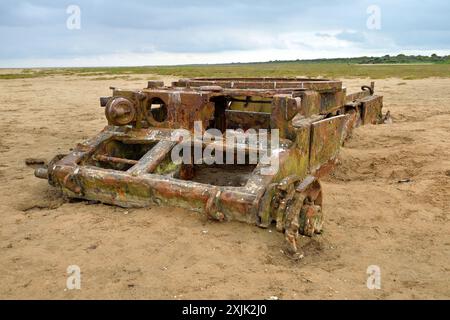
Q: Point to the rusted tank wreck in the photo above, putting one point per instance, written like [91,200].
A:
[130,162]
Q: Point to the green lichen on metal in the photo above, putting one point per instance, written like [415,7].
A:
[167,166]
[293,164]
[326,137]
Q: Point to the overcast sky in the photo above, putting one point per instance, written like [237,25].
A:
[133,32]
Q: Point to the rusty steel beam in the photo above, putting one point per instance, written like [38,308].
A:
[262,83]
[247,119]
[371,110]
[326,138]
[149,162]
[104,158]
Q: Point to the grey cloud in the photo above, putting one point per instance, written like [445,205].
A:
[351,36]
[36,29]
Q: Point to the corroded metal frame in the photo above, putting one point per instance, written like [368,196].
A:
[314,117]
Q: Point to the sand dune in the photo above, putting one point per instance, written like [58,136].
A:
[162,253]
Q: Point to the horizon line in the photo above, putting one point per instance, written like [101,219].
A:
[236,62]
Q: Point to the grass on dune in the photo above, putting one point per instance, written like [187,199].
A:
[270,69]
[327,70]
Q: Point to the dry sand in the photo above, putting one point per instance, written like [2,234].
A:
[166,253]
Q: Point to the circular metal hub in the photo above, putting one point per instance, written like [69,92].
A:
[120,111]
